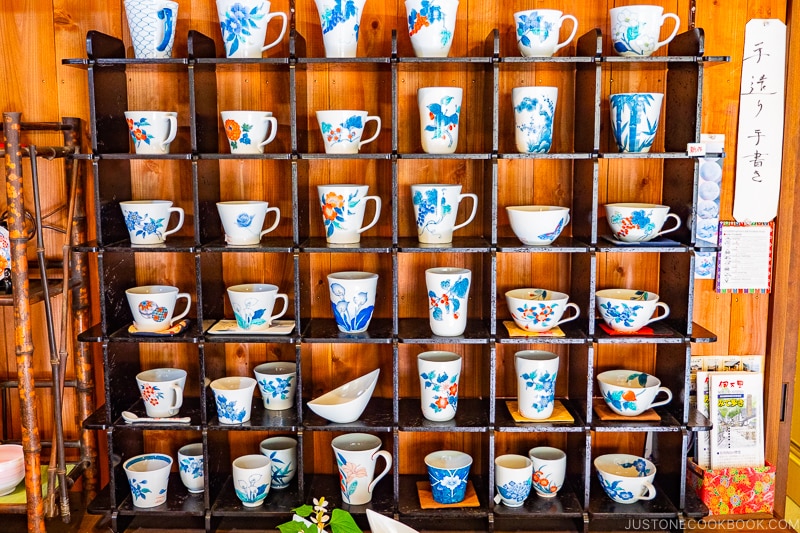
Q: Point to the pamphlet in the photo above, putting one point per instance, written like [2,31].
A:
[736,412]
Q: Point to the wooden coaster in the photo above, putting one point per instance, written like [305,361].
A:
[175,329]
[604,412]
[426,500]
[516,331]
[560,413]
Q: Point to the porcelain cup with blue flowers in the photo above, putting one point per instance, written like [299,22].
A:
[152,132]
[243,220]
[340,21]
[538,31]
[277,382]
[342,129]
[233,396]
[637,222]
[282,453]
[253,305]
[431,24]
[439,115]
[626,478]
[635,29]
[248,132]
[534,116]
[539,310]
[148,477]
[629,310]
[537,371]
[630,393]
[513,477]
[537,225]
[190,467]
[439,374]
[448,471]
[352,299]
[343,207]
[252,479]
[436,209]
[147,220]
[244,27]
[634,120]
[448,296]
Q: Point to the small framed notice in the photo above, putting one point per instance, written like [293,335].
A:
[745,257]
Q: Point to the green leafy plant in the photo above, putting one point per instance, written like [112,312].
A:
[314,519]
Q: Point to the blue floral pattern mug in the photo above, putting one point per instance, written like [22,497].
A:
[435,211]
[244,27]
[342,130]
[635,29]
[277,382]
[147,220]
[538,30]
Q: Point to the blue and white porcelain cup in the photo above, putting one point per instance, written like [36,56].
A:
[243,220]
[147,220]
[352,299]
[635,222]
[439,374]
[343,207]
[340,22]
[630,393]
[537,371]
[190,467]
[234,398]
[152,131]
[282,453]
[539,310]
[534,113]
[626,478]
[513,475]
[448,471]
[152,27]
[538,31]
[253,305]
[244,27]
[629,310]
[248,132]
[435,211]
[537,225]
[448,296]
[439,115]
[549,470]
[277,382]
[342,129]
[252,479]
[635,29]
[148,477]
[431,24]
[634,120]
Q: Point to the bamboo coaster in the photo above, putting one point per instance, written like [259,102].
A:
[426,500]
[604,412]
[516,331]
[560,413]
[175,329]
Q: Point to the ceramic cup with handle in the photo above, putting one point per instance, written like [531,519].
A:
[244,27]
[282,453]
[190,467]
[537,225]
[435,211]
[148,477]
[147,220]
[537,371]
[629,310]
[248,132]
[539,310]
[152,27]
[448,296]
[626,478]
[439,112]
[277,382]
[549,470]
[340,22]
[538,31]
[342,129]
[152,306]
[630,393]
[252,479]
[439,373]
[253,305]
[356,456]
[152,131]
[635,29]
[635,222]
[513,477]
[343,207]
[431,24]
[352,299]
[162,391]
[634,120]
[534,115]
[243,221]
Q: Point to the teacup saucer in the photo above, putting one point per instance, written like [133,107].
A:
[230,327]
[658,241]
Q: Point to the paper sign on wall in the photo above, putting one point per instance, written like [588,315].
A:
[745,257]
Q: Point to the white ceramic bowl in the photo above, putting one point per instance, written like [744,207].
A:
[626,478]
[537,225]
[7,487]
[11,457]
[346,403]
[379,523]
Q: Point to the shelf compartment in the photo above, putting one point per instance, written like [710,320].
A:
[377,417]
[409,506]
[323,330]
[505,423]
[573,334]
[418,331]
[366,245]
[565,505]
[472,416]
[261,419]
[278,502]
[179,502]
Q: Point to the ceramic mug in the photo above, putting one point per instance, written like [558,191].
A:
[431,24]
[439,111]
[352,299]
[537,371]
[152,27]
[513,475]
[152,131]
[634,120]
[342,130]
[243,221]
[248,132]
[356,456]
[534,114]
[549,470]
[435,211]
[282,453]
[629,310]
[343,209]
[147,220]
[630,393]
[448,296]
[148,477]
[152,306]
[439,373]
[253,305]
[448,471]
[252,479]
[539,310]
[538,31]
[340,23]
[162,391]
[244,27]
[234,398]
[537,225]
[190,467]
[635,222]
[635,29]
[626,478]
[277,382]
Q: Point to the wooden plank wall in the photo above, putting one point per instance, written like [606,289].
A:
[35,35]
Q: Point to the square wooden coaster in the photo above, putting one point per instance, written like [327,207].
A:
[604,412]
[560,413]
[515,331]
[175,329]
[426,500]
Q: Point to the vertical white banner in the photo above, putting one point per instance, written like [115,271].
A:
[759,149]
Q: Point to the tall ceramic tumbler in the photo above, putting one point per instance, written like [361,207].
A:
[431,24]
[439,373]
[537,371]
[534,113]
[448,295]
[439,111]
[340,21]
[152,27]
[356,457]
[352,299]
[634,120]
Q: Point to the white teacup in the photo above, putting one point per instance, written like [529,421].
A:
[282,453]
[537,371]
[539,309]
[448,296]
[352,299]
[162,391]
[356,456]
[635,29]
[152,27]
[190,467]
[439,373]
[340,26]
[253,304]
[152,131]
[630,393]
[549,470]
[252,479]
[147,220]
[634,120]
[635,222]
[342,130]
[626,478]
[248,132]
[629,310]
[534,114]
[538,31]
[242,221]
[435,211]
[431,26]
[513,478]
[244,27]
[152,306]
[148,477]
[343,207]
[537,225]
[234,398]
[277,382]
[439,112]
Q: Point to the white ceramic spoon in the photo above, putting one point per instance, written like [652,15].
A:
[130,418]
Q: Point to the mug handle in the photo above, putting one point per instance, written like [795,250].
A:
[386,457]
[273,128]
[663,402]
[674,30]
[185,311]
[277,221]
[285,298]
[663,306]
[650,494]
[377,130]
[474,209]
[559,46]
[283,29]
[178,397]
[573,317]
[173,131]
[167,14]
[673,228]
[179,225]
[377,212]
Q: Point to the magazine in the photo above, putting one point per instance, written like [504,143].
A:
[736,411]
